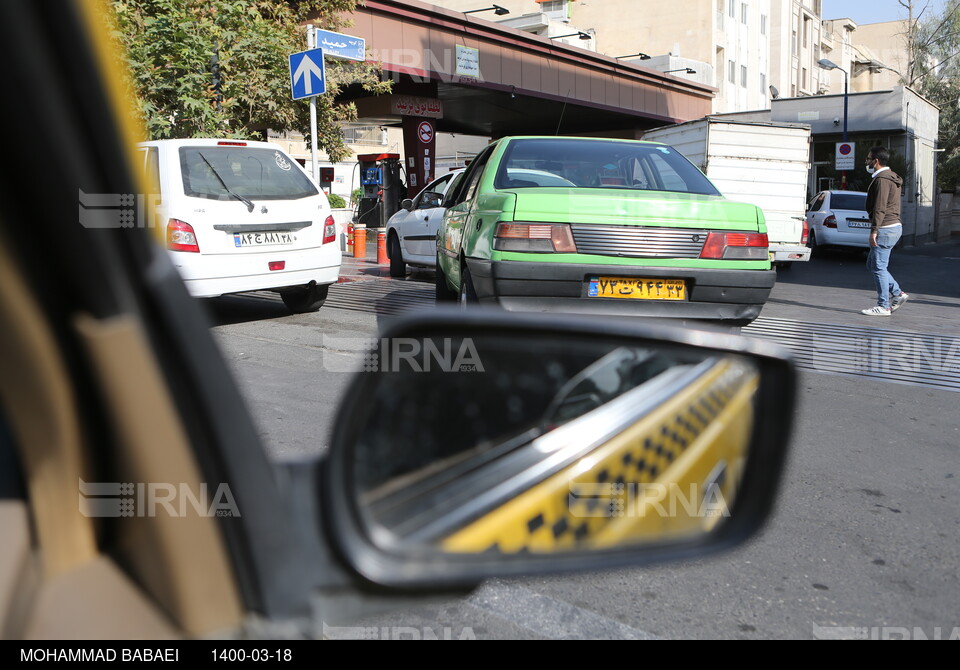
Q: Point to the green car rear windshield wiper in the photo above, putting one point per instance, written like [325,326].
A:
[245,201]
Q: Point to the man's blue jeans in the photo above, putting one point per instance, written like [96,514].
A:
[878,260]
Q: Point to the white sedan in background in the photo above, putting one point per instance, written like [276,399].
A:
[412,231]
[839,219]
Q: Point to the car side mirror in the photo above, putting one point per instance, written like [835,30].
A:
[407,204]
[483,444]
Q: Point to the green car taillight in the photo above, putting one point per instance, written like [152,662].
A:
[736,246]
[534,237]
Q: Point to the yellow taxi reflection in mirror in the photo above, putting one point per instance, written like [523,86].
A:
[672,475]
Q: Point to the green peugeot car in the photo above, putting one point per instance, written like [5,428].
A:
[600,226]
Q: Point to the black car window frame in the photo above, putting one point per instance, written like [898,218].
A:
[443,181]
[471,177]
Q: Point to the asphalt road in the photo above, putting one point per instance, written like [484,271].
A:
[866,538]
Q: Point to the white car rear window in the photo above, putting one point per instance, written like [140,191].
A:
[255,173]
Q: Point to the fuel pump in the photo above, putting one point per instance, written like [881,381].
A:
[382,189]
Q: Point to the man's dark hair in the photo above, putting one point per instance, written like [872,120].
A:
[881,154]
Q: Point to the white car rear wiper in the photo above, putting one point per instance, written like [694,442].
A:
[245,201]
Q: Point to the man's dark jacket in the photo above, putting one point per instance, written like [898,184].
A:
[883,199]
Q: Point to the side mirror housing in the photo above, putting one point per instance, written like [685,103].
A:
[492,444]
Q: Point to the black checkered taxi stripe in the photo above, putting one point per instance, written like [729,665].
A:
[560,520]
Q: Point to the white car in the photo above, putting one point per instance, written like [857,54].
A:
[839,219]
[412,231]
[242,216]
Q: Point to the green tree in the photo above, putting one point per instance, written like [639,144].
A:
[219,68]
[933,45]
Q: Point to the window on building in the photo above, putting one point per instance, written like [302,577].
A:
[806,31]
[743,76]
[743,13]
[718,68]
[720,13]
[763,24]
[360,134]
[794,44]
[556,9]
[733,9]
[803,80]
[732,71]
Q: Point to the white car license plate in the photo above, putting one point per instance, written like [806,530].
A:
[262,239]
[857,224]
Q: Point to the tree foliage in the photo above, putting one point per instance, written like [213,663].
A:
[219,68]
[933,45]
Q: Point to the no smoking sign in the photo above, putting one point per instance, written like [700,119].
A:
[425,132]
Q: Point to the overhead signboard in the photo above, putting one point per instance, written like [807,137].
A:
[409,105]
[468,62]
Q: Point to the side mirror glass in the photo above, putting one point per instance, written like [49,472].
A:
[494,444]
[407,204]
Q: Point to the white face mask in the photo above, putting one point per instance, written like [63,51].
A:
[870,168]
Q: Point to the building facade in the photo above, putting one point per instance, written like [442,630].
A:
[796,46]
[749,50]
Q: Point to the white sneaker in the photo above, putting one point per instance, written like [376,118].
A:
[898,301]
[875,311]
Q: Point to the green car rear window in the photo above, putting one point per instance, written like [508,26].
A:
[582,163]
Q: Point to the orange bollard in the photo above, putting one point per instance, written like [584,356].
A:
[382,258]
[349,239]
[360,241]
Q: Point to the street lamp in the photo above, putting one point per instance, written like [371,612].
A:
[641,56]
[830,65]
[582,35]
[497,9]
[688,70]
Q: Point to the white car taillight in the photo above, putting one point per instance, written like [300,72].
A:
[329,230]
[180,237]
[805,235]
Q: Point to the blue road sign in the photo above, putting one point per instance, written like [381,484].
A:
[338,45]
[307,77]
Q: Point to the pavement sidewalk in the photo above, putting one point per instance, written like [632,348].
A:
[363,269]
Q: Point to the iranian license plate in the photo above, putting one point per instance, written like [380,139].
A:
[262,239]
[637,288]
[854,223]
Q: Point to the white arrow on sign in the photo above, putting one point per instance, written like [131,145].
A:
[307,68]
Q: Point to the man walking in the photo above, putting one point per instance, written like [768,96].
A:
[883,206]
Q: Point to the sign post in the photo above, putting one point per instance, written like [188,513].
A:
[308,74]
[308,80]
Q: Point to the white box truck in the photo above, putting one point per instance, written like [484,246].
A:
[765,164]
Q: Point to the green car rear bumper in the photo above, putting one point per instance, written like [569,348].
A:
[730,297]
